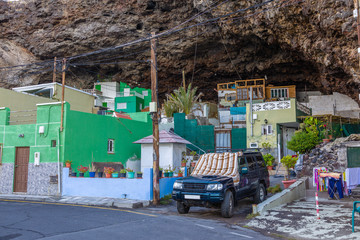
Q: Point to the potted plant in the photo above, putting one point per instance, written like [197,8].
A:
[139,175]
[289,162]
[123,173]
[131,173]
[92,171]
[269,160]
[108,171]
[180,173]
[166,173]
[115,175]
[100,174]
[73,173]
[82,170]
[171,172]
[68,163]
[160,172]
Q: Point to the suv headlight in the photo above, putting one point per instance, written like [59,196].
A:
[178,185]
[214,187]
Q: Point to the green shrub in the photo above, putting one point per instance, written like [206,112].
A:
[274,189]
[269,159]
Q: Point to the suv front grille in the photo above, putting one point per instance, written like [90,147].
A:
[194,186]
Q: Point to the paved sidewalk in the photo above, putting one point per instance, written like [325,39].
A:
[89,201]
[298,219]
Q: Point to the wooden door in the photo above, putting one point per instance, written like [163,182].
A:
[21,169]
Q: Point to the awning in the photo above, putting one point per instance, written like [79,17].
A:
[223,164]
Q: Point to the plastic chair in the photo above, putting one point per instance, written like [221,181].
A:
[355,209]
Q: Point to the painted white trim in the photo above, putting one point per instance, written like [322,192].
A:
[2,108]
[44,104]
[44,85]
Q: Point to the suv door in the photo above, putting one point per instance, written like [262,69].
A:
[253,174]
[246,180]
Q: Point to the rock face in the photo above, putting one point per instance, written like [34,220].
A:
[312,44]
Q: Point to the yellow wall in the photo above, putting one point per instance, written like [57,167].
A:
[273,117]
[79,101]
[21,102]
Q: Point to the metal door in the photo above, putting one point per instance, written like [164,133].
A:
[223,141]
[21,169]
[287,135]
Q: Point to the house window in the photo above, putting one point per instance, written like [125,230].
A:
[53,143]
[266,130]
[279,93]
[140,106]
[145,93]
[122,106]
[111,143]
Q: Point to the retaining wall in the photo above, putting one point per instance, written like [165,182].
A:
[296,191]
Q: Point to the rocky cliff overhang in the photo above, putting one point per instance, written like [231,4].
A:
[312,44]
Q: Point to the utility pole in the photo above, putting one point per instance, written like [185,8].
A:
[155,119]
[54,73]
[63,94]
[183,76]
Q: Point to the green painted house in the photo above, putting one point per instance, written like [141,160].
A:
[32,155]
[132,100]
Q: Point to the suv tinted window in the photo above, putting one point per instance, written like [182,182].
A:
[251,163]
[260,161]
[242,163]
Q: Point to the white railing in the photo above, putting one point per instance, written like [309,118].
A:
[92,91]
[132,93]
[267,106]
[303,108]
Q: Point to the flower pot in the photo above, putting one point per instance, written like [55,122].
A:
[108,175]
[115,175]
[171,174]
[92,174]
[326,140]
[131,175]
[122,175]
[166,174]
[180,174]
[330,137]
[100,174]
[269,167]
[138,175]
[68,165]
[160,174]
[73,174]
[81,174]
[287,183]
[183,164]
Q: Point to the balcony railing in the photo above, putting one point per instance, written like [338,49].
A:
[132,93]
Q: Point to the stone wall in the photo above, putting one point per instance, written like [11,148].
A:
[6,178]
[331,155]
[39,179]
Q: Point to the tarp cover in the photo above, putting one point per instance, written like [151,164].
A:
[223,164]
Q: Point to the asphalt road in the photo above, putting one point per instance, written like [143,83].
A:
[30,220]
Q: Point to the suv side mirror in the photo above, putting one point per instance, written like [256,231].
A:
[244,170]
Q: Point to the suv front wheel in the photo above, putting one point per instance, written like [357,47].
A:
[260,194]
[182,208]
[227,206]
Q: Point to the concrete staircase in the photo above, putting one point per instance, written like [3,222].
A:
[278,171]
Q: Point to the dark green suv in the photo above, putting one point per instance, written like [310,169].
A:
[220,191]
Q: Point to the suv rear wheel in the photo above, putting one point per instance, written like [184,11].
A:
[227,206]
[260,194]
[182,208]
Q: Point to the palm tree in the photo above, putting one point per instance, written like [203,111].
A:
[182,100]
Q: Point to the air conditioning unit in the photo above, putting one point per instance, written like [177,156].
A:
[254,145]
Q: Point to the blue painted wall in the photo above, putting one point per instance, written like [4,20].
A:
[140,189]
